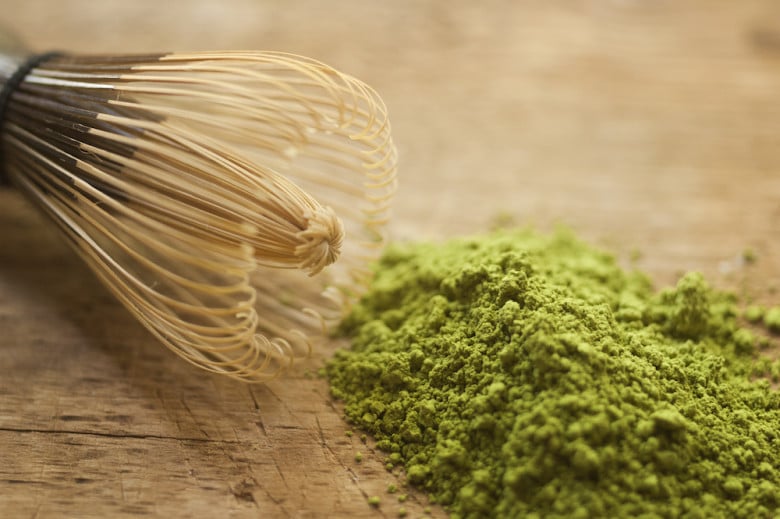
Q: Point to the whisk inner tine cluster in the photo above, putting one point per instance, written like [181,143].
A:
[230,200]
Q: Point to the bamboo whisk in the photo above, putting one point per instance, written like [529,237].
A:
[208,191]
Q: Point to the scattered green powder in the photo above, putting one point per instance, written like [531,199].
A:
[527,375]
[772,319]
[749,256]
[754,313]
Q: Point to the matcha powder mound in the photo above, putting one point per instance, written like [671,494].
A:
[527,375]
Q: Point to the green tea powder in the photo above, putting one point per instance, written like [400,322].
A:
[527,375]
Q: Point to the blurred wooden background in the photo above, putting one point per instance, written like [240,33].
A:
[645,125]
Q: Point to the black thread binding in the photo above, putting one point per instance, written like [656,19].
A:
[9,87]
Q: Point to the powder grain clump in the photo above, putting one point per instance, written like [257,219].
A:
[526,375]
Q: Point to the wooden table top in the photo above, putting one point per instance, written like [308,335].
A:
[649,126]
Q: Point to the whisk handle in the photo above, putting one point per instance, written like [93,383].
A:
[8,88]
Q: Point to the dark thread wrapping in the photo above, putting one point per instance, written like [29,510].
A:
[9,87]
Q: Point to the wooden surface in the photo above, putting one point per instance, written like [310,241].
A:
[650,126]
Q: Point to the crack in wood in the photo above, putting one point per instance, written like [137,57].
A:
[122,436]
[254,398]
[243,491]
[192,416]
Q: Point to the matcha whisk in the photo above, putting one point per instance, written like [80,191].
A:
[208,191]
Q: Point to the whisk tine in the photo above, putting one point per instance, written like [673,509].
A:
[230,200]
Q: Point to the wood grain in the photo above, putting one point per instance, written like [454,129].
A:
[644,125]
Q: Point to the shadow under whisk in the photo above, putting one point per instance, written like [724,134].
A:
[230,200]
